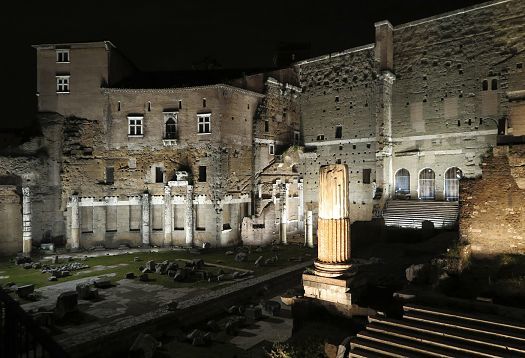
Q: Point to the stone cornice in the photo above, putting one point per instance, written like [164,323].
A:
[176,89]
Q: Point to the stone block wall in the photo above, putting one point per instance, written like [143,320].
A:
[492,214]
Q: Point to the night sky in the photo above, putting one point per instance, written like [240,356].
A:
[170,35]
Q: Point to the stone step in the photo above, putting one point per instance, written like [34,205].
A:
[363,353]
[452,344]
[411,345]
[472,323]
[369,348]
[482,338]
[410,213]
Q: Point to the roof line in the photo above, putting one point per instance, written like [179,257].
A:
[191,88]
[334,54]
[451,13]
[53,45]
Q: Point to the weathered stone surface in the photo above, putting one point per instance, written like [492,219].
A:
[258,261]
[25,290]
[145,346]
[130,275]
[102,283]
[144,277]
[66,303]
[241,256]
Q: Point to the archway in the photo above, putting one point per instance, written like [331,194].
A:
[427,184]
[402,187]
[452,177]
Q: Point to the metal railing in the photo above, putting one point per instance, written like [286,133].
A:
[21,336]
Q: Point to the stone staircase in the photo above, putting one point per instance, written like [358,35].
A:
[410,213]
[425,332]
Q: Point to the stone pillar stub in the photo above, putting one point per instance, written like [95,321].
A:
[168,216]
[75,223]
[284,191]
[333,232]
[309,229]
[188,212]
[26,222]
[145,219]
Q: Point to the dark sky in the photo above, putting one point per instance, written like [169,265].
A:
[163,35]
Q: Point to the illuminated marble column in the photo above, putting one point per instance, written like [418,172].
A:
[309,229]
[333,231]
[168,215]
[26,222]
[189,215]
[75,223]
[145,219]
[284,190]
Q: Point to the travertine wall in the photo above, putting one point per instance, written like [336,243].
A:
[415,100]
[492,215]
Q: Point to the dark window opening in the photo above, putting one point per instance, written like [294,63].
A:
[485,85]
[354,146]
[366,176]
[110,175]
[337,98]
[204,102]
[202,173]
[470,121]
[180,104]
[159,175]
[266,126]
[320,137]
[118,106]
[149,106]
[339,132]
[459,123]
[494,84]
[368,145]
[171,129]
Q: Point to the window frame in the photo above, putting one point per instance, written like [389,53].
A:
[62,51]
[167,117]
[65,86]
[271,149]
[135,125]
[203,120]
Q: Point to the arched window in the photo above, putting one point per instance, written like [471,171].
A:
[485,85]
[494,84]
[427,184]
[171,129]
[402,183]
[452,176]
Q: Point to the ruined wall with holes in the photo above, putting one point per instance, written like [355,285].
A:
[35,164]
[492,215]
[457,78]
[338,91]
[453,74]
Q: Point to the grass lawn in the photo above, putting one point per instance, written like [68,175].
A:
[121,264]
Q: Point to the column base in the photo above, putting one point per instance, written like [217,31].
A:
[326,269]
[335,290]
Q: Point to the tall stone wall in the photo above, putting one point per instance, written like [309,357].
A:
[492,214]
[338,91]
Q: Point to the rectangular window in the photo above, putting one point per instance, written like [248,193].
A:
[271,149]
[110,175]
[63,55]
[366,176]
[204,123]
[111,218]
[204,103]
[86,218]
[320,137]
[62,84]
[339,132]
[135,212]
[135,126]
[178,217]
[266,126]
[202,173]
[157,219]
[180,104]
[159,175]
